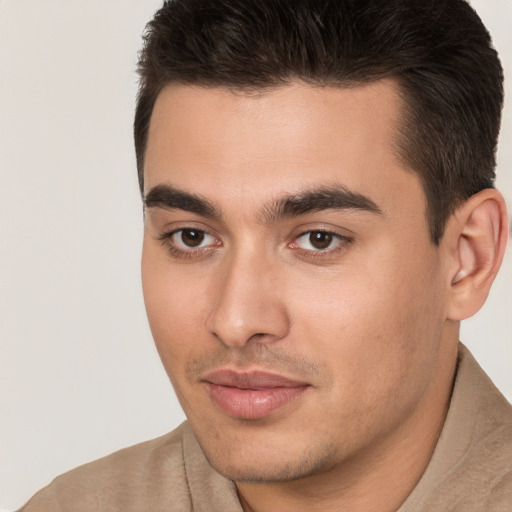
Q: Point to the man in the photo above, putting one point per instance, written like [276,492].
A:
[320,215]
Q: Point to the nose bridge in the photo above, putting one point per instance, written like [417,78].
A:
[247,303]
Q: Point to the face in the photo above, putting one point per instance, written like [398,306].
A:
[292,290]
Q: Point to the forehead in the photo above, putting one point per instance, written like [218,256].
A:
[249,148]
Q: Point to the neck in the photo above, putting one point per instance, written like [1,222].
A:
[378,477]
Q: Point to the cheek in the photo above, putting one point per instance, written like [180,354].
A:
[374,325]
[174,307]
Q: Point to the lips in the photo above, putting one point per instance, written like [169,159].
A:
[252,395]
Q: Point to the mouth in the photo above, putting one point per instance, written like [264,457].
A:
[252,395]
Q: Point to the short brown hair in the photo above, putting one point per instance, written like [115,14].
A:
[438,50]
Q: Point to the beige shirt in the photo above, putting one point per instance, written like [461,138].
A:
[470,470]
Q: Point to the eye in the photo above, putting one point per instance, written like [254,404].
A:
[191,238]
[319,240]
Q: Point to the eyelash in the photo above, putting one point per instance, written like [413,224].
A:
[343,242]
[166,240]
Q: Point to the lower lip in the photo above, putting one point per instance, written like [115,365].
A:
[253,403]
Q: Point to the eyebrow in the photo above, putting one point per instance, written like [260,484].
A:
[334,197]
[171,198]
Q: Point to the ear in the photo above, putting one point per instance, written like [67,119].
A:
[476,239]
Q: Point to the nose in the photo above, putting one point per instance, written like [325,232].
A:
[248,303]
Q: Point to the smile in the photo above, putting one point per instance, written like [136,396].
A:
[252,395]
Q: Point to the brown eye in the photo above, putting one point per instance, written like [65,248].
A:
[189,242]
[192,237]
[320,239]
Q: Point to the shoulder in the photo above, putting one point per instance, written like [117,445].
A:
[480,477]
[484,474]
[481,481]
[147,476]
[471,468]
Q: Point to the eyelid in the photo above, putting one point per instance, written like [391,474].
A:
[343,241]
[183,252]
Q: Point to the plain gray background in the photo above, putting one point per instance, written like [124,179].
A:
[79,376]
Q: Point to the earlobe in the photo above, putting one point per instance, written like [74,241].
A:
[479,232]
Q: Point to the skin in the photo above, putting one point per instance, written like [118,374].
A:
[366,323]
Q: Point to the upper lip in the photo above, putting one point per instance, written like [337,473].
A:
[250,379]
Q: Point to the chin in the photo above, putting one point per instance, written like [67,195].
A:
[269,465]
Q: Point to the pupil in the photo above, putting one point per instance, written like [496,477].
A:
[191,237]
[320,239]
